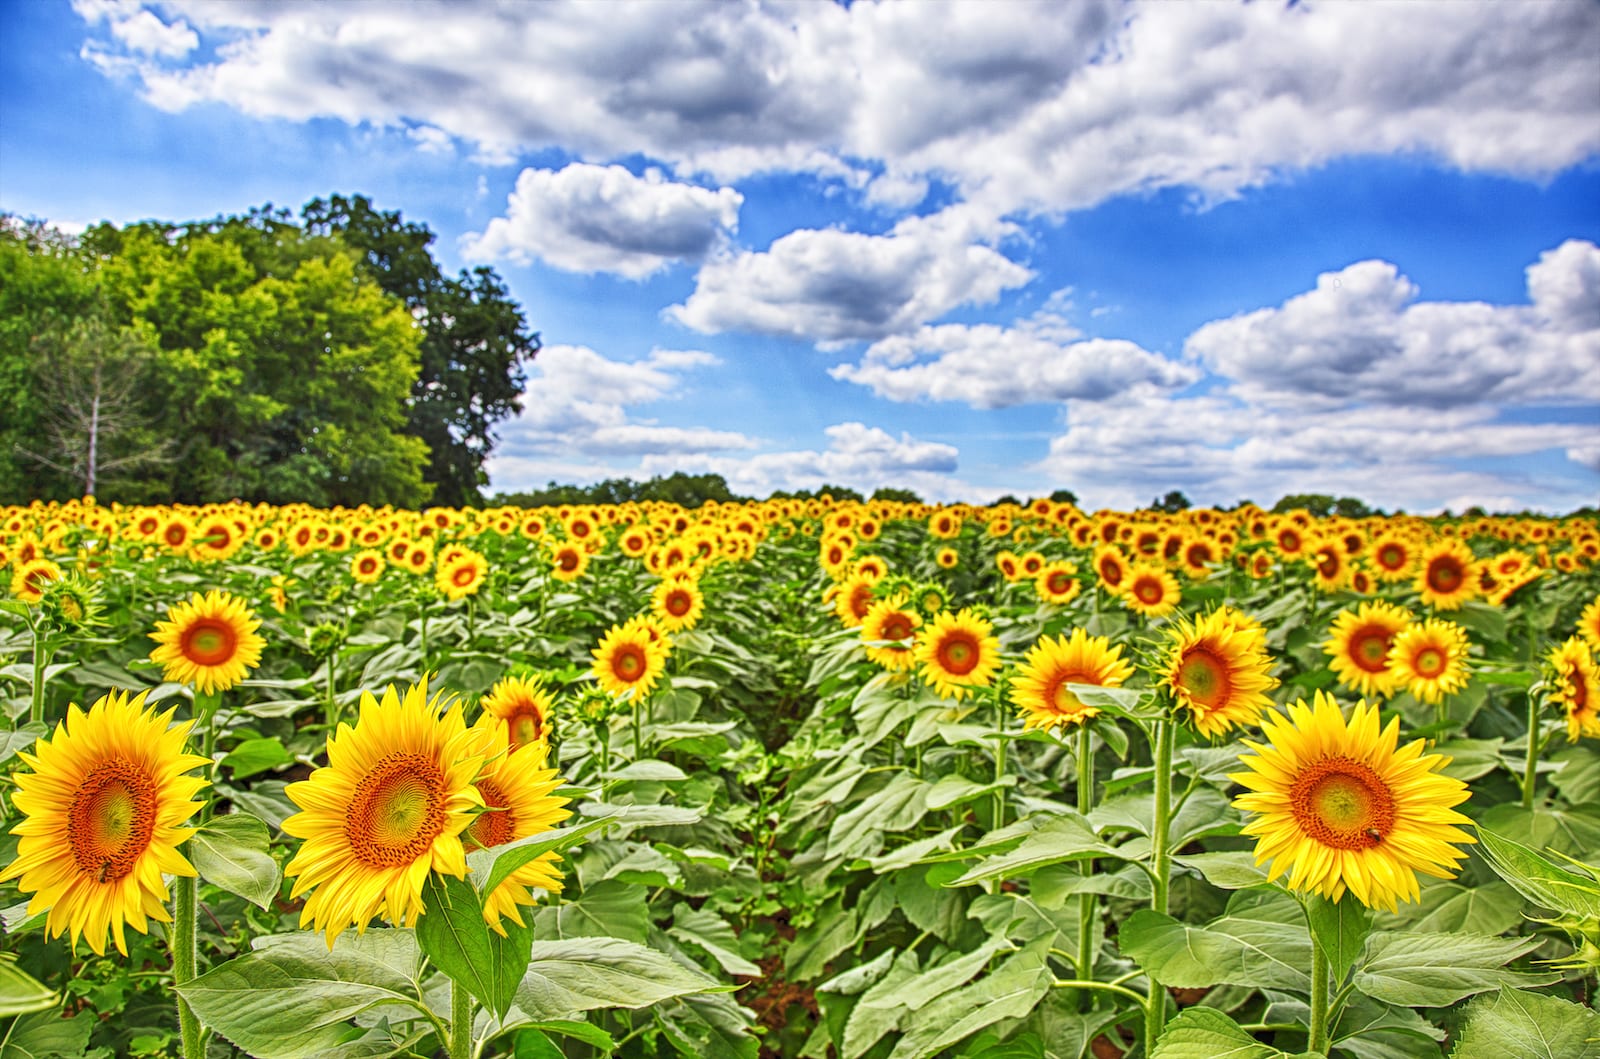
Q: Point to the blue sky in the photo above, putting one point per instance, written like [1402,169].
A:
[1238,250]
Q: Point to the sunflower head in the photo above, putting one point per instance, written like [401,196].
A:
[461,574]
[29,578]
[1358,646]
[1430,659]
[887,630]
[389,807]
[524,706]
[209,641]
[1589,624]
[1339,805]
[1574,687]
[1150,590]
[1057,582]
[1217,669]
[72,602]
[1447,575]
[1040,689]
[958,652]
[104,803]
[628,659]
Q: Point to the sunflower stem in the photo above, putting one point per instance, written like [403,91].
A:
[1530,777]
[1088,910]
[1319,999]
[460,1022]
[205,717]
[332,717]
[182,939]
[999,760]
[41,659]
[1155,1014]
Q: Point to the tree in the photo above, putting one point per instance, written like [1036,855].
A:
[88,384]
[901,496]
[475,340]
[1172,503]
[1064,496]
[1322,505]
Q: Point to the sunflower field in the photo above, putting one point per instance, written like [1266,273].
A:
[797,778]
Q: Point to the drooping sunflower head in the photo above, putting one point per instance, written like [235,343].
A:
[1340,806]
[1574,687]
[1218,669]
[1057,582]
[887,630]
[1430,659]
[525,706]
[1358,646]
[209,641]
[629,659]
[1150,590]
[389,807]
[103,807]
[1447,576]
[1040,689]
[958,652]
[517,789]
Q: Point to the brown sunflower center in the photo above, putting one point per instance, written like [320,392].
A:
[896,627]
[1369,648]
[1445,574]
[958,653]
[111,819]
[567,560]
[1343,804]
[1111,572]
[1148,590]
[1391,557]
[208,642]
[679,603]
[495,827]
[1059,584]
[628,663]
[464,576]
[1430,661]
[396,812]
[1204,676]
[526,724]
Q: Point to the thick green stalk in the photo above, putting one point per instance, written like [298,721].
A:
[1530,766]
[460,1022]
[1319,1000]
[1155,1015]
[1088,904]
[41,659]
[332,717]
[191,1035]
[999,760]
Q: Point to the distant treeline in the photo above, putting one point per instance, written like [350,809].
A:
[324,359]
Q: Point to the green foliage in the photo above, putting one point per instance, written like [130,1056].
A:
[685,490]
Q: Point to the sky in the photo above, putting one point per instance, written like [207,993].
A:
[970,249]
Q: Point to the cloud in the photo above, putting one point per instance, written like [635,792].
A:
[1019,106]
[590,218]
[859,456]
[989,366]
[1361,336]
[830,286]
[577,407]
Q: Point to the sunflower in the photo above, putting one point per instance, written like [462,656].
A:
[678,604]
[103,812]
[524,706]
[1330,566]
[1150,590]
[1008,564]
[1358,646]
[568,562]
[853,600]
[1338,806]
[462,574]
[1430,659]
[175,532]
[1111,567]
[517,792]
[1057,582]
[947,558]
[944,524]
[367,566]
[1589,624]
[389,807]
[958,652]
[1040,689]
[1392,557]
[209,641]
[1574,686]
[1217,669]
[29,578]
[1447,576]
[890,623]
[1198,555]
[629,659]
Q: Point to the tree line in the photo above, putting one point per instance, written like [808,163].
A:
[325,359]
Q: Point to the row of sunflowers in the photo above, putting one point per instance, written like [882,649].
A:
[797,778]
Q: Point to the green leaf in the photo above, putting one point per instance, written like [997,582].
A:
[20,992]
[707,930]
[581,974]
[593,1036]
[21,739]
[1206,1033]
[41,1034]
[490,867]
[256,755]
[1228,870]
[1528,1026]
[1011,992]
[1340,929]
[231,852]
[1067,837]
[1454,907]
[453,934]
[291,998]
[1540,879]
[1235,950]
[607,909]
[1131,703]
[655,771]
[1436,970]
